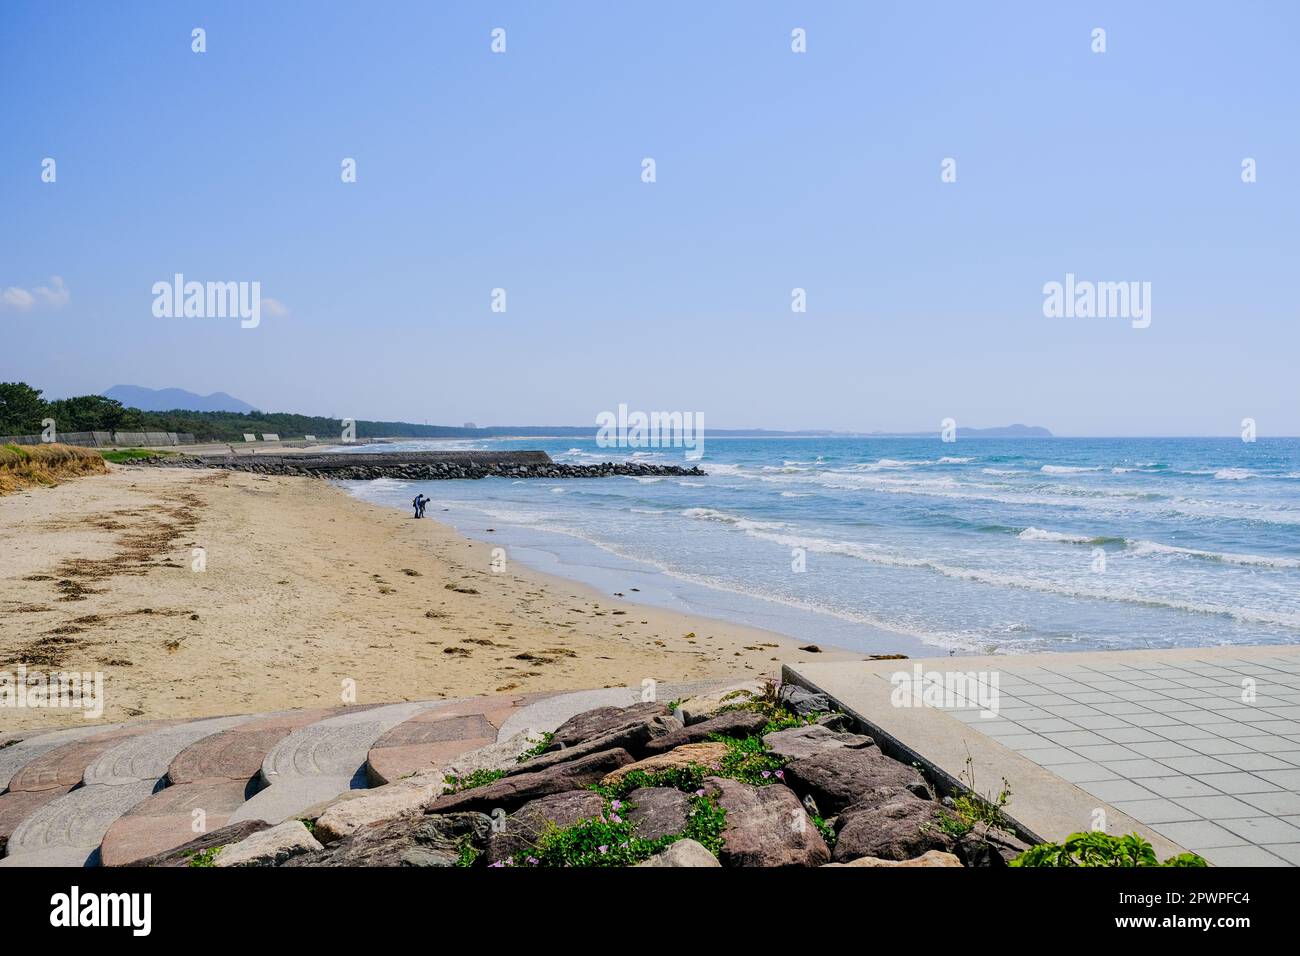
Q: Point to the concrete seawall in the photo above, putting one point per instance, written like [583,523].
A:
[419,465]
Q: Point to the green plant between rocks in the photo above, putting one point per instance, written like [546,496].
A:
[477,778]
[1095,848]
[611,840]
[203,858]
[749,761]
[537,749]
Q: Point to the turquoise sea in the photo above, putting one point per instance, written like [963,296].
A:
[916,544]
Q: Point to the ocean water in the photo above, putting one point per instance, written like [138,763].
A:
[914,544]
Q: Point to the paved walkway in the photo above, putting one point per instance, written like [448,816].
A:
[1196,748]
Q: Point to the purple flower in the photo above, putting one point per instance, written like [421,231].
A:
[780,775]
[766,774]
[617,804]
[617,818]
[699,793]
[603,848]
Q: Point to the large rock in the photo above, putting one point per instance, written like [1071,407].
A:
[930,858]
[733,723]
[766,826]
[406,841]
[657,811]
[604,720]
[797,742]
[803,701]
[989,847]
[181,855]
[502,755]
[605,728]
[683,853]
[706,755]
[520,830]
[693,710]
[269,847]
[345,817]
[840,777]
[889,826]
[510,793]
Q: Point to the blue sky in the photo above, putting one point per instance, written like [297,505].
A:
[775,170]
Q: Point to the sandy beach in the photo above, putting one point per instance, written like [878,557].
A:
[303,590]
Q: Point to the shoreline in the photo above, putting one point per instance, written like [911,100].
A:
[306,592]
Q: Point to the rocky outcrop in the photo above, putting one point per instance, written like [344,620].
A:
[701,707]
[704,754]
[510,793]
[683,853]
[183,854]
[766,826]
[838,778]
[798,742]
[734,723]
[407,841]
[269,847]
[521,829]
[657,811]
[345,817]
[892,826]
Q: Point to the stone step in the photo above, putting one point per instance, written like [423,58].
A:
[17,755]
[67,831]
[54,773]
[208,781]
[433,737]
[149,756]
[320,761]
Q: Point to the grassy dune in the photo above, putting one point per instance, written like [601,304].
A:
[22,466]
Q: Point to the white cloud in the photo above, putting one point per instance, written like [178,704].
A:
[17,298]
[274,307]
[55,296]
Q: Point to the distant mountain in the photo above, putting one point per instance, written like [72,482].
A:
[171,399]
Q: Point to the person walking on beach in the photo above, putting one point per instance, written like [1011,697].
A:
[424,503]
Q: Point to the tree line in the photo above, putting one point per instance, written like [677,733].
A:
[22,410]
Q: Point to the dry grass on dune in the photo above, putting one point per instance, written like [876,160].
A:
[22,466]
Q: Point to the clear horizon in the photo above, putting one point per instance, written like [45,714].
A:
[775,171]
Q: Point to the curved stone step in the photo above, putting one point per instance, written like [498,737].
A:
[213,776]
[15,756]
[67,831]
[237,753]
[167,819]
[148,757]
[54,773]
[432,737]
[321,761]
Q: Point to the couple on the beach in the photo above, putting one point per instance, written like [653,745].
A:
[419,502]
